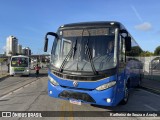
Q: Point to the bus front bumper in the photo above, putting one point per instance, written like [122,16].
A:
[105,97]
[25,72]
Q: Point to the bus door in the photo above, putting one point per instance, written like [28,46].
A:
[121,67]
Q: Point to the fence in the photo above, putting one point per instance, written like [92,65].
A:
[3,69]
[152,67]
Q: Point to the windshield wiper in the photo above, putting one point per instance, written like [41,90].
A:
[88,52]
[69,55]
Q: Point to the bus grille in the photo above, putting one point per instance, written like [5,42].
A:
[77,96]
[17,69]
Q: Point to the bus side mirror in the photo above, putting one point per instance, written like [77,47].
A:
[45,44]
[128,43]
[46,40]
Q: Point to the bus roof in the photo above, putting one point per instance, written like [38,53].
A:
[95,24]
[92,24]
[20,56]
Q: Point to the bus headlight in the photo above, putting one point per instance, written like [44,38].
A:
[53,81]
[26,70]
[106,86]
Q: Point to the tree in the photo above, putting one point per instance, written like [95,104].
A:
[157,51]
[146,54]
[135,51]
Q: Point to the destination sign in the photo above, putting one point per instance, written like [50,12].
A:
[86,32]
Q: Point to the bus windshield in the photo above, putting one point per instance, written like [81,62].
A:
[83,48]
[19,62]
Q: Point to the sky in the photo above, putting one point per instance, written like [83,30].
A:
[30,20]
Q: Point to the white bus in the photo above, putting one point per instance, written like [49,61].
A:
[19,65]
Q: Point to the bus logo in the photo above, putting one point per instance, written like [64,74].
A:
[75,83]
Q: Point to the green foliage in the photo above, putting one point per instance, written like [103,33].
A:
[2,60]
[146,54]
[157,51]
[135,51]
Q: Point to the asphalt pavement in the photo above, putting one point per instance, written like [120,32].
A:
[151,84]
[22,93]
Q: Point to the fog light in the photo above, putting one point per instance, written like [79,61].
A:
[108,100]
[50,92]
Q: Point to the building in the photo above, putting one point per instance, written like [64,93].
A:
[11,46]
[26,51]
[1,55]
[19,49]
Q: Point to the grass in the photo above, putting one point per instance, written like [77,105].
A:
[2,60]
[3,75]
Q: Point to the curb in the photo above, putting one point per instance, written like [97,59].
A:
[151,90]
[4,77]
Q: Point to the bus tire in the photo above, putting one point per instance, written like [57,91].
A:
[126,96]
[27,75]
[140,81]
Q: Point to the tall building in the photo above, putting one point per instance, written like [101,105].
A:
[26,51]
[11,46]
[19,49]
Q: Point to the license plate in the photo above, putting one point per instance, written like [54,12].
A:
[77,102]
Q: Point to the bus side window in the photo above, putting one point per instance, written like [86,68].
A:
[122,49]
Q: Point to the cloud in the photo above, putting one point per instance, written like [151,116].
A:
[144,26]
[136,13]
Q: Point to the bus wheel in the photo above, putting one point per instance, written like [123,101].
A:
[126,96]
[27,75]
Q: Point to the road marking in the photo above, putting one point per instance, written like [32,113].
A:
[27,85]
[62,109]
[150,107]
[71,111]
[16,90]
[66,108]
[5,96]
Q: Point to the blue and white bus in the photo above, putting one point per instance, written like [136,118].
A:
[94,63]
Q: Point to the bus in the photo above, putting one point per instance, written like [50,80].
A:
[19,65]
[94,63]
